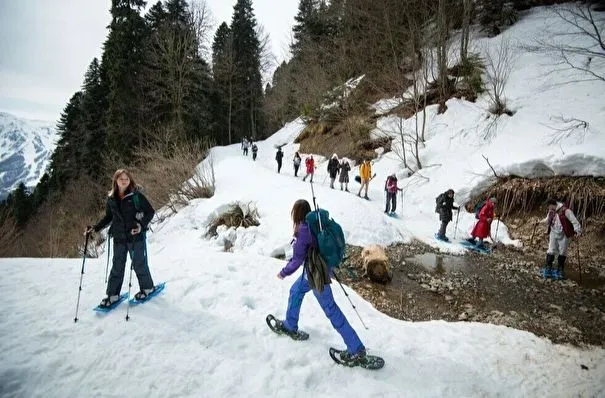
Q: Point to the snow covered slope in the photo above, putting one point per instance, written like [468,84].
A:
[25,150]
[205,335]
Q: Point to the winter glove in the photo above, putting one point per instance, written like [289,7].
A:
[136,230]
[89,230]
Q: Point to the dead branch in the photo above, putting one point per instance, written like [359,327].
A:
[565,128]
[582,23]
[490,166]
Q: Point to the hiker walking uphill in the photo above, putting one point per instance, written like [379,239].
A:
[333,168]
[278,157]
[254,151]
[245,145]
[365,173]
[562,226]
[296,160]
[390,186]
[345,167]
[305,242]
[129,213]
[483,227]
[310,166]
[444,206]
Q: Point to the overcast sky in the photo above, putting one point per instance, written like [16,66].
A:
[46,46]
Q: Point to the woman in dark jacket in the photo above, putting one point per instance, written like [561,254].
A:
[129,213]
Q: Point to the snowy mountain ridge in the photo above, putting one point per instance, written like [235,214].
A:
[25,150]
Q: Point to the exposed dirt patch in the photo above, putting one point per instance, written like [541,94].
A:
[349,137]
[504,288]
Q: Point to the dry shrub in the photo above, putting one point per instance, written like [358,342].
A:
[172,175]
[237,215]
[56,230]
[9,233]
[585,195]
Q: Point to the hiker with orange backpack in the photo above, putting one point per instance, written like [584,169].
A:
[365,173]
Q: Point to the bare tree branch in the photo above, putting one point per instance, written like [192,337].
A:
[490,166]
[498,67]
[581,24]
[565,128]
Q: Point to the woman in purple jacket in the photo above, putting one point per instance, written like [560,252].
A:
[304,241]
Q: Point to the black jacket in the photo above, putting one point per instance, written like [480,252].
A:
[445,208]
[279,155]
[122,214]
[333,167]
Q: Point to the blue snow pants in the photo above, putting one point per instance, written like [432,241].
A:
[327,303]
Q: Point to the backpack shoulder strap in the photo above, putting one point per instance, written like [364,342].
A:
[137,201]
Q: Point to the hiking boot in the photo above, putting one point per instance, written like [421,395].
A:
[347,190]
[109,301]
[352,358]
[546,272]
[366,197]
[143,294]
[558,274]
[443,237]
[471,241]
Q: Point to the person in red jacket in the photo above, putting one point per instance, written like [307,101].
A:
[310,165]
[483,227]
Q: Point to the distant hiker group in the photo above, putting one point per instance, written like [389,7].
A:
[246,143]
[562,226]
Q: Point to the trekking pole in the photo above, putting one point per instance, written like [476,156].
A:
[81,276]
[129,286]
[352,305]
[401,203]
[313,195]
[108,250]
[497,225]
[579,263]
[531,240]
[456,226]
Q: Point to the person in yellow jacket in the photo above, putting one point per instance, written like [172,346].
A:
[365,173]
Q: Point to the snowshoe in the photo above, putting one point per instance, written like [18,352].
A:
[107,305]
[442,238]
[278,327]
[143,297]
[362,359]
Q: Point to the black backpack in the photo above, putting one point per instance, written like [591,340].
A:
[438,203]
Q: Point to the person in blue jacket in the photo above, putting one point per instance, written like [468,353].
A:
[304,242]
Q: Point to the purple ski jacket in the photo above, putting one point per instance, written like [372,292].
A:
[304,241]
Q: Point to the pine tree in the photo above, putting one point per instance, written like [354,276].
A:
[123,51]
[223,69]
[248,90]
[176,80]
[20,204]
[94,106]
[155,16]
[65,162]
[306,21]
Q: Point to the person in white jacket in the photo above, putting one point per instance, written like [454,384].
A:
[562,226]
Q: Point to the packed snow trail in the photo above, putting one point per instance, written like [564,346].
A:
[205,335]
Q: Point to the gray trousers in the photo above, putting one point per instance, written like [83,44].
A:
[138,256]
[558,243]
[391,204]
[443,228]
